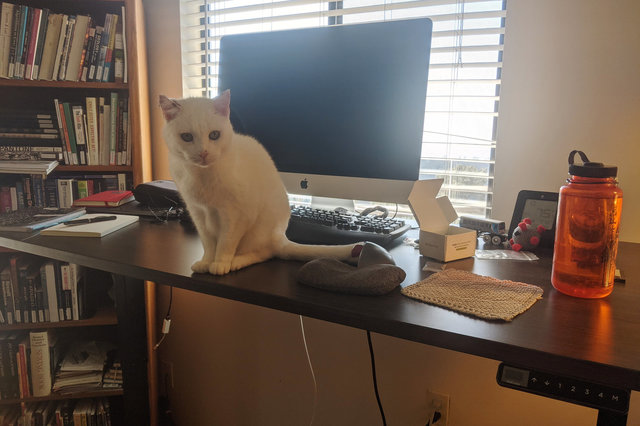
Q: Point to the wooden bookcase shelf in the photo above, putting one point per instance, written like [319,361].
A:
[34,95]
[63,84]
[99,393]
[104,316]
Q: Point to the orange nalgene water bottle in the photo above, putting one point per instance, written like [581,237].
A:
[586,241]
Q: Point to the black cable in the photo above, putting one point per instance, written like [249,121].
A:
[170,302]
[375,380]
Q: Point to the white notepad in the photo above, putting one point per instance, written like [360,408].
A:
[96,229]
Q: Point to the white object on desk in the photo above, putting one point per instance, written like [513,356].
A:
[95,229]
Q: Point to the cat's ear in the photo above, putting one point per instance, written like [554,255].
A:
[221,103]
[170,107]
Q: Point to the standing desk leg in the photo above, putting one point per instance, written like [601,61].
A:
[609,418]
[130,309]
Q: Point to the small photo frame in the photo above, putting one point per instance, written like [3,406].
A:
[539,206]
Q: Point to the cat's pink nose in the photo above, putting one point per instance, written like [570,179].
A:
[204,154]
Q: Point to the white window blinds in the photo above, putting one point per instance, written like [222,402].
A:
[464,73]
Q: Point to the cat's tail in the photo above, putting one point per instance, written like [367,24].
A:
[305,252]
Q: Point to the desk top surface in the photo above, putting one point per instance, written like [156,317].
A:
[596,340]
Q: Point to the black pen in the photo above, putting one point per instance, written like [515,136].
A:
[90,220]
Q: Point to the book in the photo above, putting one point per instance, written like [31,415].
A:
[64,58]
[106,199]
[69,125]
[96,229]
[106,75]
[7,292]
[34,218]
[23,371]
[93,158]
[40,358]
[34,31]
[80,33]
[81,142]
[65,192]
[41,167]
[113,135]
[48,277]
[6,25]
[42,32]
[57,56]
[54,23]
[95,53]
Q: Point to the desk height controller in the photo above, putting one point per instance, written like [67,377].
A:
[564,388]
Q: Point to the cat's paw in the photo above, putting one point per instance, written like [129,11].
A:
[219,268]
[201,267]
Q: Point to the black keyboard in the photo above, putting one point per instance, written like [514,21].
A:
[317,226]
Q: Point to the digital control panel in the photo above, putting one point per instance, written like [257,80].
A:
[564,388]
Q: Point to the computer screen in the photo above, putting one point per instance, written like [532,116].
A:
[340,109]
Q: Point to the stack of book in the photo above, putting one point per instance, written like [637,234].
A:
[38,44]
[95,411]
[19,192]
[29,135]
[113,375]
[95,132]
[35,290]
[82,367]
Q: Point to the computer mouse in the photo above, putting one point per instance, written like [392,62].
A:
[374,254]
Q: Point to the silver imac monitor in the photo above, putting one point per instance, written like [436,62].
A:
[340,109]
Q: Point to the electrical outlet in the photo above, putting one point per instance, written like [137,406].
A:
[166,374]
[437,409]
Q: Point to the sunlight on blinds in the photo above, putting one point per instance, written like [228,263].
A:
[464,74]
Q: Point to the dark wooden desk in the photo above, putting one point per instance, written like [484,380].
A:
[596,341]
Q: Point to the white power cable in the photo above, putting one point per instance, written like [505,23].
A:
[313,376]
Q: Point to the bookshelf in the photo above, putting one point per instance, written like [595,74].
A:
[24,94]
[130,404]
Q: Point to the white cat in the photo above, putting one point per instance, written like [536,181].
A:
[232,189]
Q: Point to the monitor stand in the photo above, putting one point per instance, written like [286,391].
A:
[332,203]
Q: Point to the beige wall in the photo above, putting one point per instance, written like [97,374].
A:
[235,364]
[571,80]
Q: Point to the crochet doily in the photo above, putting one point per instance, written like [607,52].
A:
[473,294]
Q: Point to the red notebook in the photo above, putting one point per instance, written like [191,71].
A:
[105,199]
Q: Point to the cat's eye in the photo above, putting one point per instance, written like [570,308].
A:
[215,135]
[187,137]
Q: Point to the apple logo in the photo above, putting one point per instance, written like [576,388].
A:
[304,184]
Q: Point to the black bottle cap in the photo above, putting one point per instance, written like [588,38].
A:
[590,168]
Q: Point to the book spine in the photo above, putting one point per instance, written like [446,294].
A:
[64,29]
[13,46]
[25,45]
[7,292]
[48,275]
[22,28]
[42,33]
[40,363]
[106,75]
[95,53]
[104,44]
[6,26]
[15,288]
[64,59]
[86,54]
[63,135]
[54,21]
[68,120]
[59,293]
[74,276]
[113,130]
[65,270]
[81,144]
[36,15]
[21,356]
[65,192]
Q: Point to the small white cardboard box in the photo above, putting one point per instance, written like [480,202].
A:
[438,239]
